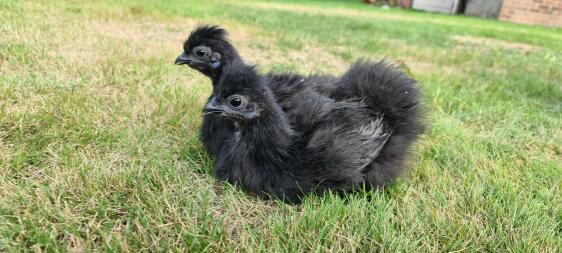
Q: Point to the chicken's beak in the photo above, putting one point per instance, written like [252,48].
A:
[212,107]
[183,59]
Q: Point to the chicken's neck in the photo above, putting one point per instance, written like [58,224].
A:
[260,160]
[230,55]
[270,136]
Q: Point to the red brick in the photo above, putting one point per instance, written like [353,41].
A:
[541,12]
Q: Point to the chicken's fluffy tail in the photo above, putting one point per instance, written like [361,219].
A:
[391,93]
[387,90]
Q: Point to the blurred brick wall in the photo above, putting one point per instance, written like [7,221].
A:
[539,12]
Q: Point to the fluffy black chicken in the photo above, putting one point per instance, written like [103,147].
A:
[289,146]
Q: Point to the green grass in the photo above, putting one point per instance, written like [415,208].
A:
[99,148]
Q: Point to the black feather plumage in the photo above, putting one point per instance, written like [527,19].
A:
[295,135]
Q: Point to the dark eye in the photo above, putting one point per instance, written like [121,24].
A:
[235,102]
[200,53]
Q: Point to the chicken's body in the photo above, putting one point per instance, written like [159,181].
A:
[390,97]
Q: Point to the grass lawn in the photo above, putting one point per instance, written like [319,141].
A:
[99,147]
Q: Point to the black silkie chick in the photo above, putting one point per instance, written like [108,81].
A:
[288,147]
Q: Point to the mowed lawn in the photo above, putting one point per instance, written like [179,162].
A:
[99,146]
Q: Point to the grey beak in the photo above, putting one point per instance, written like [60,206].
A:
[183,59]
[212,107]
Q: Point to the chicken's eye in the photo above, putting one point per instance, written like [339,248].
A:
[235,102]
[200,53]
